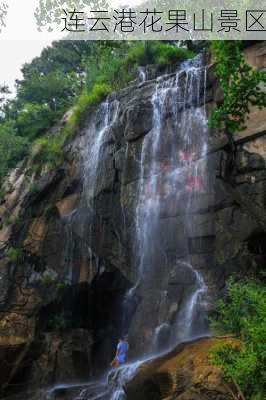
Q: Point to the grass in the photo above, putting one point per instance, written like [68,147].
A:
[243,313]
[157,53]
[51,147]
[110,72]
[15,254]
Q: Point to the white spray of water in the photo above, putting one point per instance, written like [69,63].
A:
[163,174]
[142,74]
[108,112]
[160,178]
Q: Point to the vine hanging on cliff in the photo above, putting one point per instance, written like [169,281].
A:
[241,83]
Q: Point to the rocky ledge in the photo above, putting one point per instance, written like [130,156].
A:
[186,373]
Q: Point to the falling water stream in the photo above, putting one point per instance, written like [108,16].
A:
[172,168]
[172,173]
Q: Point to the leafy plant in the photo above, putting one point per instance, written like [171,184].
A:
[242,86]
[165,53]
[34,119]
[243,313]
[50,150]
[69,74]
[12,148]
[85,101]
[15,254]
[156,53]
[61,286]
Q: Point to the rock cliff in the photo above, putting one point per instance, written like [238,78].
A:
[67,242]
[184,374]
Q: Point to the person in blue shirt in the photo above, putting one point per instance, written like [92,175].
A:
[121,353]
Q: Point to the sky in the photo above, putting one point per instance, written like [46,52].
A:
[20,41]
[15,52]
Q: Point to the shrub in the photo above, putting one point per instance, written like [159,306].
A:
[15,254]
[156,53]
[243,313]
[86,100]
[61,286]
[165,53]
[241,84]
[109,69]
[139,54]
[51,147]
[50,152]
[34,119]
[13,148]
[49,278]
[44,98]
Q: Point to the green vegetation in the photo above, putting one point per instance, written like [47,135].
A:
[33,188]
[156,53]
[48,279]
[61,286]
[69,75]
[49,87]
[15,255]
[244,314]
[242,86]
[12,148]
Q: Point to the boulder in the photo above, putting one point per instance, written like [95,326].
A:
[184,374]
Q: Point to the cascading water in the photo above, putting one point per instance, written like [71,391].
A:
[172,172]
[142,74]
[82,220]
[82,217]
[107,115]
[172,178]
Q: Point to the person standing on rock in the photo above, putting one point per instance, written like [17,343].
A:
[121,353]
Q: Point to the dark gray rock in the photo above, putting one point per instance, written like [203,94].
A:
[138,120]
[221,230]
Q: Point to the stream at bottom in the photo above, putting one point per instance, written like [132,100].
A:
[110,387]
[172,177]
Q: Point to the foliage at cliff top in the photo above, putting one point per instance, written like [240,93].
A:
[243,86]
[70,74]
[244,314]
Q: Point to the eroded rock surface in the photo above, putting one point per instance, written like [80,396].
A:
[69,256]
[185,374]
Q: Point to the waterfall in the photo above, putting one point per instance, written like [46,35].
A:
[97,133]
[172,171]
[172,178]
[69,248]
[81,219]
[142,72]
[173,174]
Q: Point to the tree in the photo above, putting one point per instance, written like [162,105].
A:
[63,55]
[12,148]
[55,89]
[242,86]
[4,91]
[244,314]
[34,119]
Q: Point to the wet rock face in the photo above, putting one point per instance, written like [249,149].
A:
[56,357]
[184,374]
[65,357]
[67,232]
